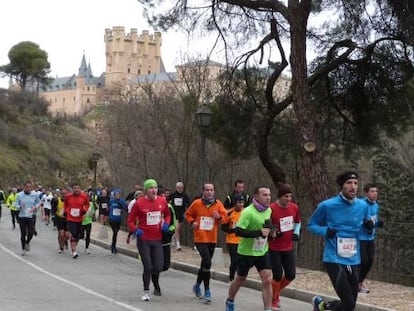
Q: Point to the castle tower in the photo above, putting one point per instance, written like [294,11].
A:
[130,55]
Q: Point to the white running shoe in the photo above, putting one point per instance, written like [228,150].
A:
[75,255]
[146,297]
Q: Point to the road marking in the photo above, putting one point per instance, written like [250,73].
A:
[82,288]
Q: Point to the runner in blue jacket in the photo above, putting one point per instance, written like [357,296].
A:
[339,220]
[367,236]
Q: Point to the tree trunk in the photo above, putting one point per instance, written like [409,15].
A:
[313,162]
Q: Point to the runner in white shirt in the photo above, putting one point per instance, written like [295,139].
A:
[46,204]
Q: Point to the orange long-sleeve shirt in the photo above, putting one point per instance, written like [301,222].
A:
[207,229]
[231,237]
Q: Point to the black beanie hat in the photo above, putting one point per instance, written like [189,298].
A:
[342,178]
[282,190]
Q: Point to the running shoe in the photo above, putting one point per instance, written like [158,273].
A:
[362,289]
[146,296]
[318,303]
[23,252]
[207,296]
[157,291]
[60,251]
[229,305]
[197,291]
[87,251]
[35,233]
[275,305]
[27,247]
[75,255]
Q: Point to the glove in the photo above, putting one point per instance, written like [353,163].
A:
[278,234]
[165,227]
[139,233]
[296,237]
[380,224]
[369,224]
[330,233]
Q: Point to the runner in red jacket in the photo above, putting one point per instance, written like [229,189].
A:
[286,220]
[149,217]
[75,206]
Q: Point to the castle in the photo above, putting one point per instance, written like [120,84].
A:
[128,56]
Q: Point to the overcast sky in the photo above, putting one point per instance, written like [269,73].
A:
[67,29]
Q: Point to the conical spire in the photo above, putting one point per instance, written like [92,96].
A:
[83,69]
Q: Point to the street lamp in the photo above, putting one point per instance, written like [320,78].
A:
[203,118]
[95,158]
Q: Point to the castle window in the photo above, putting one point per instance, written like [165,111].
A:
[88,88]
[74,98]
[87,100]
[149,72]
[139,71]
[129,70]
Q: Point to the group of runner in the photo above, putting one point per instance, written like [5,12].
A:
[260,233]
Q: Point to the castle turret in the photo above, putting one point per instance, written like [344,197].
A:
[131,55]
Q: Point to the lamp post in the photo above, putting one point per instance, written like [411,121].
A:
[203,118]
[95,158]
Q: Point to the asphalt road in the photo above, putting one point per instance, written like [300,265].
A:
[45,280]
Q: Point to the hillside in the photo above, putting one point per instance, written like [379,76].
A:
[33,145]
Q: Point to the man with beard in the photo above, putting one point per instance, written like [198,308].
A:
[339,220]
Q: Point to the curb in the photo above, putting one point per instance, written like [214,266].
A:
[297,294]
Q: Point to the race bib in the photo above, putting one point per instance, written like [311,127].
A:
[346,247]
[116,212]
[104,205]
[286,223]
[234,225]
[259,243]
[178,201]
[206,223]
[75,212]
[153,218]
[29,212]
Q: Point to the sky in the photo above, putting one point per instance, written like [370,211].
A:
[68,29]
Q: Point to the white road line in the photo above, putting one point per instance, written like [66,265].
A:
[82,288]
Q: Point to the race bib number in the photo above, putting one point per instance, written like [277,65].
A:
[234,225]
[347,247]
[178,201]
[29,212]
[286,223]
[153,218]
[206,223]
[104,205]
[259,243]
[116,212]
[75,212]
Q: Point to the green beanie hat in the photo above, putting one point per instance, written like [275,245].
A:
[150,183]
